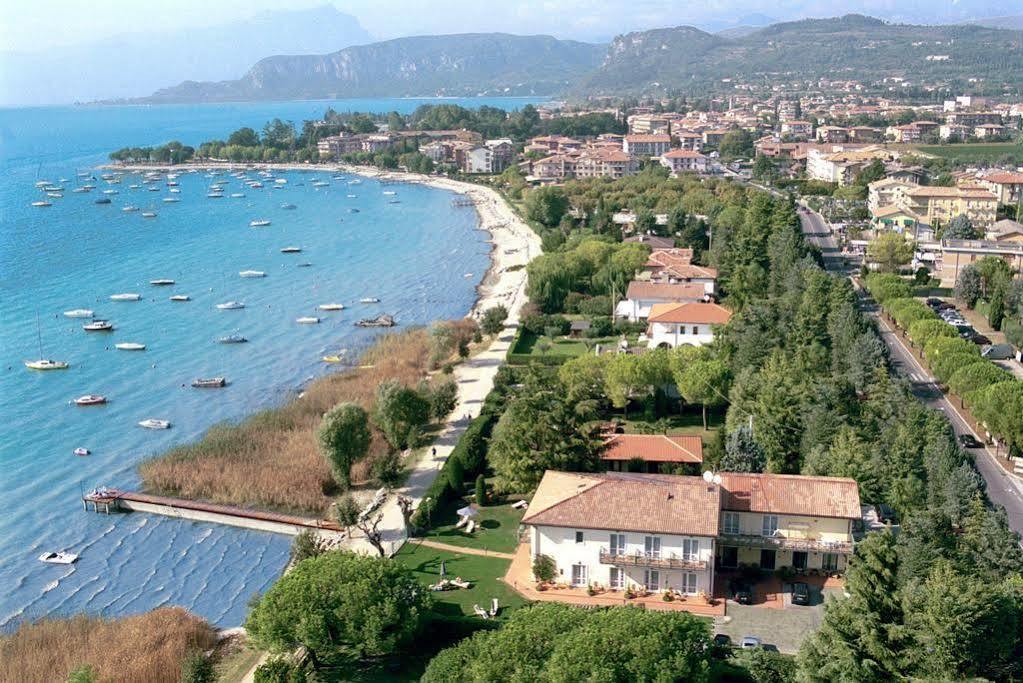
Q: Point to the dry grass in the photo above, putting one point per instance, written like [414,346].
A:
[147,648]
[271,460]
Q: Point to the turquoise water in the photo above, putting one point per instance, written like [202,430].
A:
[421,257]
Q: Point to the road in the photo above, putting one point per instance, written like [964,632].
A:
[1003,488]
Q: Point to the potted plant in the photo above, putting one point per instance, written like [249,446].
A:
[669,596]
[629,594]
[541,586]
[590,590]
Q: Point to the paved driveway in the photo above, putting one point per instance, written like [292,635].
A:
[784,628]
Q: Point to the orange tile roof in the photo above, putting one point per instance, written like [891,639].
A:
[1005,178]
[670,257]
[619,501]
[654,448]
[790,494]
[667,292]
[699,313]
[649,137]
[682,154]
[933,191]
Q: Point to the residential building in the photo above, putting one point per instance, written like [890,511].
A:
[714,136]
[972,119]
[1006,185]
[906,133]
[1005,230]
[842,165]
[675,266]
[650,123]
[334,146]
[690,141]
[619,531]
[641,297]
[949,130]
[622,452]
[671,325]
[884,193]
[683,161]
[939,205]
[797,129]
[954,255]
[832,134]
[989,130]
[646,145]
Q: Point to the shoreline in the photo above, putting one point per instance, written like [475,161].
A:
[512,242]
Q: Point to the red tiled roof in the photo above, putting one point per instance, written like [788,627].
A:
[699,313]
[654,448]
[1005,178]
[682,154]
[619,501]
[648,137]
[665,292]
[790,494]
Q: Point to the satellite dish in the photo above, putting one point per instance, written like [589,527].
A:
[708,476]
[717,478]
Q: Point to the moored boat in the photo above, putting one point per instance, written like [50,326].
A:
[379,321]
[231,306]
[78,313]
[291,250]
[82,451]
[129,209]
[232,339]
[58,558]
[331,307]
[369,300]
[170,200]
[98,326]
[153,423]
[127,296]
[130,346]
[180,297]
[288,206]
[307,320]
[251,273]
[209,383]
[42,204]
[90,400]
[149,214]
[332,359]
[262,223]
[102,200]
[161,282]
[47,364]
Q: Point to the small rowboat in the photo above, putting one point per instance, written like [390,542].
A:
[291,250]
[129,296]
[90,400]
[251,273]
[98,326]
[161,282]
[231,306]
[102,200]
[181,297]
[331,307]
[78,313]
[82,451]
[259,224]
[307,320]
[153,423]
[130,346]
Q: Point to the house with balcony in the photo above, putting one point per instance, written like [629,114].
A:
[616,531]
[642,296]
[787,520]
[672,325]
[675,266]
[646,144]
[683,161]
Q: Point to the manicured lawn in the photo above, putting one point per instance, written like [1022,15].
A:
[484,573]
[980,151]
[499,528]
[689,422]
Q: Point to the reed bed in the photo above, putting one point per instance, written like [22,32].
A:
[147,648]
[271,460]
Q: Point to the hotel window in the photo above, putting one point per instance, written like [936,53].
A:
[617,544]
[690,549]
[579,575]
[731,523]
[578,537]
[617,578]
[652,579]
[688,583]
[829,563]
[770,525]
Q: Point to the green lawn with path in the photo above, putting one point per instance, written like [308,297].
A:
[484,573]
[499,526]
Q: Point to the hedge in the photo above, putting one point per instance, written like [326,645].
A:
[885,286]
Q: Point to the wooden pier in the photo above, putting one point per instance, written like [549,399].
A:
[113,500]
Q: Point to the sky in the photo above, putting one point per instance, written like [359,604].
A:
[33,25]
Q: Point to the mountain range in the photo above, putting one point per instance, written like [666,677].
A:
[654,61]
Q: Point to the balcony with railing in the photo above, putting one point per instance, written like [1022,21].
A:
[785,541]
[653,560]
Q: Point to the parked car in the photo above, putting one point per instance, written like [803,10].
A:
[750,643]
[980,340]
[997,352]
[934,302]
[742,592]
[965,331]
[969,441]
[800,593]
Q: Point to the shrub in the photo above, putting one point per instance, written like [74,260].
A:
[596,305]
[481,490]
[544,568]
[278,670]
[306,544]
[387,469]
[885,286]
[197,668]
[600,327]
[443,397]
[493,319]
[456,472]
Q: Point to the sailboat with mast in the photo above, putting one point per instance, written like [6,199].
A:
[44,363]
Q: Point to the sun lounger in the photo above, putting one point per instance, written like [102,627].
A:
[520,505]
[493,608]
[457,581]
[462,522]
[480,612]
[470,527]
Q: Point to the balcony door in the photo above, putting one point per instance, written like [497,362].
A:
[652,580]
[617,544]
[652,546]
[580,575]
[729,556]
[767,559]
[799,559]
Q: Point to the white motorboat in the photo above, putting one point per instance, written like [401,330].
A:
[356,181]
[291,250]
[281,181]
[80,451]
[130,346]
[47,364]
[259,224]
[170,200]
[390,192]
[232,339]
[352,196]
[174,190]
[153,423]
[78,313]
[79,190]
[127,296]
[180,297]
[149,214]
[161,282]
[320,183]
[42,203]
[215,195]
[129,209]
[331,307]
[90,400]
[109,191]
[237,195]
[98,326]
[58,558]
[369,300]
[231,306]
[307,320]
[209,383]
[54,195]
[251,273]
